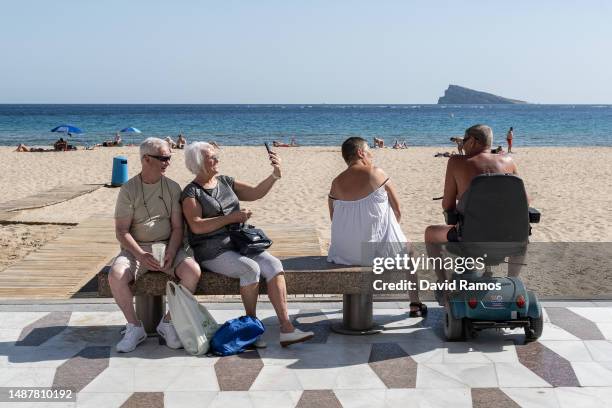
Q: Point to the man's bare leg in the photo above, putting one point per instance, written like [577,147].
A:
[515,263]
[119,279]
[435,236]
[413,295]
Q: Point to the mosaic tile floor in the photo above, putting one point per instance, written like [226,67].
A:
[409,364]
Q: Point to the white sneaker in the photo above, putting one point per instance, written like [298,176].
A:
[132,337]
[296,336]
[167,332]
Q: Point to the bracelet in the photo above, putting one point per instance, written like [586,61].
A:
[276,178]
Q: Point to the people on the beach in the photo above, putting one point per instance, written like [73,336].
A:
[293,143]
[214,144]
[400,145]
[180,141]
[211,202]
[497,150]
[116,142]
[22,148]
[364,207]
[148,211]
[57,147]
[170,142]
[509,137]
[445,154]
[459,142]
[378,142]
[460,171]
[60,145]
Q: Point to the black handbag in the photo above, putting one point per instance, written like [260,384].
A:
[247,239]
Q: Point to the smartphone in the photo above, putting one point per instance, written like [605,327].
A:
[268,147]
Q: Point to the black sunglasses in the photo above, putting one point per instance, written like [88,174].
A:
[164,159]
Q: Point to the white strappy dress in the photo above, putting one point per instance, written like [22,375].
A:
[359,222]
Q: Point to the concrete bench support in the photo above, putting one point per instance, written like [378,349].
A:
[150,310]
[357,315]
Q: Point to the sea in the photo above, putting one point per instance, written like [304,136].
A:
[310,125]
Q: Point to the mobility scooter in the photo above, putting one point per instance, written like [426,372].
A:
[493,223]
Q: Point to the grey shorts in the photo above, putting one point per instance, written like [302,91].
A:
[126,260]
[247,269]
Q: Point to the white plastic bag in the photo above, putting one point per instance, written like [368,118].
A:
[194,324]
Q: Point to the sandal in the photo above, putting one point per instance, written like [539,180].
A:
[421,312]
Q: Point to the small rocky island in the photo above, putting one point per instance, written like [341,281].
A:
[459,95]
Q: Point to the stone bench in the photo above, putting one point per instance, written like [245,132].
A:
[303,274]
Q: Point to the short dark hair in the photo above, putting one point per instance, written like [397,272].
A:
[483,134]
[350,147]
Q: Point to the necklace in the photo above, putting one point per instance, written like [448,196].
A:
[161,197]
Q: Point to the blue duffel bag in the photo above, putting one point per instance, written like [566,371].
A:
[235,335]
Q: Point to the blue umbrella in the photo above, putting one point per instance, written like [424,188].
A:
[130,130]
[66,129]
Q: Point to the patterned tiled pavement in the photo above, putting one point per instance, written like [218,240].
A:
[409,364]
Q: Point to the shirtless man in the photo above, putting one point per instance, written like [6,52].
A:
[460,171]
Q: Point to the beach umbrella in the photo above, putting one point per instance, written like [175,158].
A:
[130,130]
[66,129]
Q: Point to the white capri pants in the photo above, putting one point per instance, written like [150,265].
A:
[247,269]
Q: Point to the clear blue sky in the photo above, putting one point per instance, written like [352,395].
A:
[315,51]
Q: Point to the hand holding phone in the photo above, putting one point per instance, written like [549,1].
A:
[274,161]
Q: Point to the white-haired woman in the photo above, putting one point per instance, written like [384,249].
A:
[211,202]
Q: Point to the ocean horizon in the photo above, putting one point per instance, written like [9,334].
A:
[310,124]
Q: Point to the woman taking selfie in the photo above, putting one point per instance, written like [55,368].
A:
[211,202]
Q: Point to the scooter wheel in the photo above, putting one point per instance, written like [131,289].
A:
[534,331]
[453,328]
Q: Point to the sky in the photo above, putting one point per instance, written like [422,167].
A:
[315,51]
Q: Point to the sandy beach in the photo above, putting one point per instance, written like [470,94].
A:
[570,186]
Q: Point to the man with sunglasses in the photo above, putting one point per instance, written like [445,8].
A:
[460,171]
[148,212]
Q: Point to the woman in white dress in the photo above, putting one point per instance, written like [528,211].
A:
[364,208]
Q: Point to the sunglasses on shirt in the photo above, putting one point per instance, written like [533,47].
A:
[164,159]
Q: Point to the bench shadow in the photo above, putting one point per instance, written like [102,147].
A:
[399,340]
[327,349]
[82,353]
